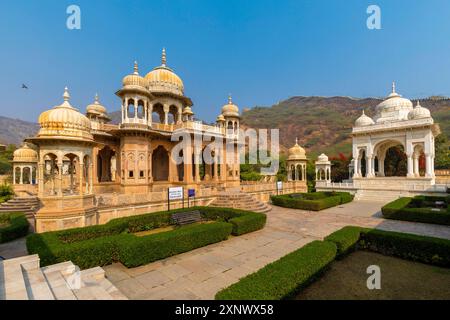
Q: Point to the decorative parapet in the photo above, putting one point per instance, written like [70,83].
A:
[393,125]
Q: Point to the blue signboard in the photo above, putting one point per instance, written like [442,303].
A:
[191,193]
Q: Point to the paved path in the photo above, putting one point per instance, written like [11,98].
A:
[201,273]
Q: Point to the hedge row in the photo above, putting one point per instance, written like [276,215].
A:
[423,249]
[17,226]
[408,209]
[287,276]
[315,201]
[101,245]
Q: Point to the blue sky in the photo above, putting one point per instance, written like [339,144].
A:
[260,51]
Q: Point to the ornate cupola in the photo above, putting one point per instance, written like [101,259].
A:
[162,79]
[97,114]
[364,120]
[419,112]
[230,112]
[135,100]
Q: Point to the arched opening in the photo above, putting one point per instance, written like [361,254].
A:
[26,175]
[395,162]
[173,114]
[180,167]
[17,173]
[362,163]
[104,164]
[160,164]
[70,174]
[158,115]
[293,173]
[140,110]
[131,108]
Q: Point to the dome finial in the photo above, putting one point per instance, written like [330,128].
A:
[136,68]
[418,103]
[66,94]
[163,57]
[97,100]
[364,112]
[393,87]
[296,140]
[230,99]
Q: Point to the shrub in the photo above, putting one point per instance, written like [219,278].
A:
[415,210]
[403,245]
[6,190]
[17,226]
[424,249]
[345,239]
[315,201]
[285,277]
[101,245]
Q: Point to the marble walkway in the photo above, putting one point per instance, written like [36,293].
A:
[201,273]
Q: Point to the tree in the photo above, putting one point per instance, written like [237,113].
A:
[442,152]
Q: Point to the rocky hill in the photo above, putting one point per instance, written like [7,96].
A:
[322,124]
[13,131]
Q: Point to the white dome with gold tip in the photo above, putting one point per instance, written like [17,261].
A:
[419,112]
[64,121]
[25,154]
[296,152]
[323,158]
[364,120]
[230,109]
[393,108]
[162,79]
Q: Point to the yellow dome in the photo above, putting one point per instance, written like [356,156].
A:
[163,79]
[64,121]
[96,107]
[230,109]
[296,152]
[134,79]
[25,154]
[187,110]
[220,118]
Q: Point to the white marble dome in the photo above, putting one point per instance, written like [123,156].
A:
[393,108]
[322,158]
[419,112]
[364,120]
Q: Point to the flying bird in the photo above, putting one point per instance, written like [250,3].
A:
[24,86]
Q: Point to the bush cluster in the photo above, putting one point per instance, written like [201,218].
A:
[418,209]
[314,201]
[17,226]
[104,244]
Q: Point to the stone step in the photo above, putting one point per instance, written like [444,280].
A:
[37,285]
[12,282]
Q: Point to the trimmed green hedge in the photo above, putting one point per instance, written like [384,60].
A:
[315,201]
[285,277]
[17,227]
[104,244]
[407,246]
[410,209]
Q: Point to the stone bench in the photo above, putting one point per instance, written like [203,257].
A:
[188,217]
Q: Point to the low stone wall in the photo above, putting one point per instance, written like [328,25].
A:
[263,190]
[110,206]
